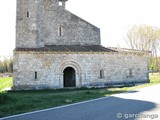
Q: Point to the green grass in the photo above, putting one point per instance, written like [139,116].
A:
[25,101]
[5,83]
[154,78]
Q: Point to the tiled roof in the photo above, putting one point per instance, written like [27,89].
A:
[69,48]
[128,50]
[81,48]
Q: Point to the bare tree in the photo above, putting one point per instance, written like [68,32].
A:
[145,37]
[6,65]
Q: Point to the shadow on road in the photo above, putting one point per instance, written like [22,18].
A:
[110,108]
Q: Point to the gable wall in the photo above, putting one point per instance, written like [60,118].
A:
[41,26]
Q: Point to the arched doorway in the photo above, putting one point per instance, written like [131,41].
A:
[69,77]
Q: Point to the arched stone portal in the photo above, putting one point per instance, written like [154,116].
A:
[69,77]
[62,68]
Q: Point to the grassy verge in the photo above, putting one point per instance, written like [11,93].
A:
[5,83]
[26,101]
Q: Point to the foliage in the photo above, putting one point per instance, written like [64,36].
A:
[146,38]
[154,63]
[154,78]
[15,102]
[6,83]
[6,65]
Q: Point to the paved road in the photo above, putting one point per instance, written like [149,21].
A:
[128,106]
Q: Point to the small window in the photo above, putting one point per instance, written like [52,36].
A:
[27,14]
[36,75]
[130,72]
[101,73]
[60,31]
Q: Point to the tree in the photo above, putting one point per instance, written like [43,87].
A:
[1,66]
[6,65]
[146,38]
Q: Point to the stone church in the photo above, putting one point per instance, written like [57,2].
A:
[57,49]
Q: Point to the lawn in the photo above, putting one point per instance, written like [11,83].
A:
[24,101]
[5,83]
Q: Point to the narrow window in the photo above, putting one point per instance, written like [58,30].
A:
[101,74]
[130,72]
[27,14]
[60,30]
[36,75]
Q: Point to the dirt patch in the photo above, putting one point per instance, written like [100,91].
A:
[4,75]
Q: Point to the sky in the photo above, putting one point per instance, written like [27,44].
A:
[113,17]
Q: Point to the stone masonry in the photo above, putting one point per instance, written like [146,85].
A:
[50,39]
[50,66]
[39,21]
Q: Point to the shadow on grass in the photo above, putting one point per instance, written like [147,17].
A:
[95,110]
[15,102]
[133,91]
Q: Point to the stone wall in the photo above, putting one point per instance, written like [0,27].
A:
[44,22]
[50,66]
[27,20]
[75,31]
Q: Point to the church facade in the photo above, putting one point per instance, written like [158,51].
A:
[57,49]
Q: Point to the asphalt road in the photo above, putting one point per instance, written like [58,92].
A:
[142,104]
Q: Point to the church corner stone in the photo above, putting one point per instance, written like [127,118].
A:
[57,49]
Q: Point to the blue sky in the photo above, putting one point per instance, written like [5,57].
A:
[113,17]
